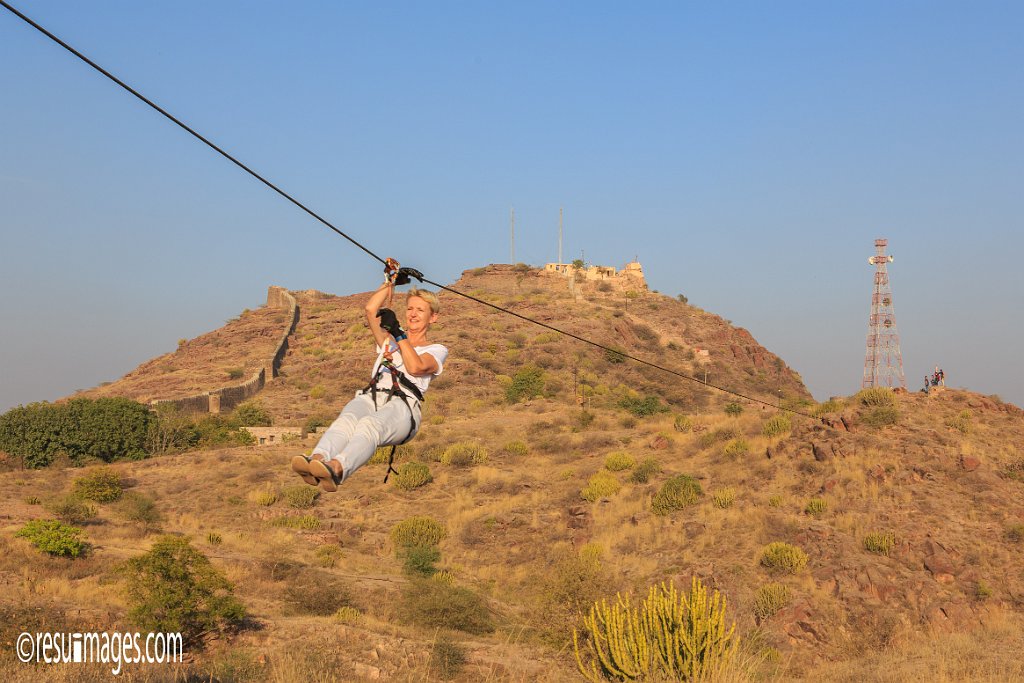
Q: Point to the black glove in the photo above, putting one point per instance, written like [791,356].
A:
[403,275]
[389,323]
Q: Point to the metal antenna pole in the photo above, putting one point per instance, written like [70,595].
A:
[559,234]
[512,235]
[883,361]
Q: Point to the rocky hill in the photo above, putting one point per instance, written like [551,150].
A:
[330,353]
[908,508]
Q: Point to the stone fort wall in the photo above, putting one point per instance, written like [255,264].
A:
[226,398]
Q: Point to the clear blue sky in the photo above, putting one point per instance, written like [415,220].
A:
[748,153]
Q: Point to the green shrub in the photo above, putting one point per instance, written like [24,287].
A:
[216,430]
[171,430]
[418,531]
[464,454]
[419,560]
[432,454]
[642,406]
[603,484]
[72,510]
[328,554]
[962,422]
[673,635]
[567,585]
[776,426]
[314,422]
[881,416]
[53,537]
[770,598]
[709,439]
[251,413]
[318,392]
[432,604]
[235,373]
[584,419]
[301,496]
[105,428]
[644,471]
[724,498]
[102,485]
[733,409]
[32,500]
[1014,470]
[412,475]
[816,507]
[265,496]
[675,494]
[614,356]
[880,542]
[525,384]
[618,461]
[403,452]
[136,507]
[447,658]
[325,600]
[683,424]
[443,576]
[300,522]
[876,396]
[982,591]
[775,500]
[516,448]
[736,448]
[347,615]
[214,538]
[829,406]
[1015,533]
[783,557]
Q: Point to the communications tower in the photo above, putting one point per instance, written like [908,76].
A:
[883,364]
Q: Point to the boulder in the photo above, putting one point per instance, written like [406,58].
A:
[659,443]
[822,451]
[969,463]
[941,567]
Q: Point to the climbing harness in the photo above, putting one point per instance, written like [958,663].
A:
[398,382]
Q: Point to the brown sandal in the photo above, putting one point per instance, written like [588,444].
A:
[327,477]
[300,465]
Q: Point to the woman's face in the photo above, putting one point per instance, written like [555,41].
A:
[418,315]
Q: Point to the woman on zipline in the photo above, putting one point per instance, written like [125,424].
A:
[387,411]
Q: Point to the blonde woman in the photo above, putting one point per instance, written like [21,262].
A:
[387,411]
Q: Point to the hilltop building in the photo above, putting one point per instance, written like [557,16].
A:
[631,275]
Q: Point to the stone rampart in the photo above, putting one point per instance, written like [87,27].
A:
[227,398]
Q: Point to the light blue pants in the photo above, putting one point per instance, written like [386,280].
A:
[360,430]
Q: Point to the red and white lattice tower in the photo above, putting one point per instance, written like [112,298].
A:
[883,364]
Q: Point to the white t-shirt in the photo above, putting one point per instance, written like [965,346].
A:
[438,351]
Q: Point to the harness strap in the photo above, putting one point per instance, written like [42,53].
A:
[398,380]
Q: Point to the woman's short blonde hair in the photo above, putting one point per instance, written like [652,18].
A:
[426,295]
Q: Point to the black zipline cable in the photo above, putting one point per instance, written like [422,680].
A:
[302,206]
[184,126]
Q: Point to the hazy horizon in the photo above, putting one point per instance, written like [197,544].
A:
[747,155]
